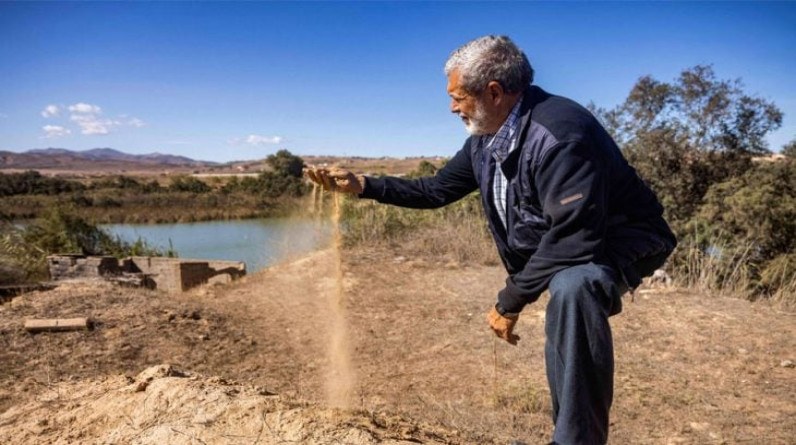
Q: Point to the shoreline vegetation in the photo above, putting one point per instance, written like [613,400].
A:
[62,216]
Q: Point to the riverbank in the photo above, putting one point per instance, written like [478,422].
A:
[691,368]
[134,208]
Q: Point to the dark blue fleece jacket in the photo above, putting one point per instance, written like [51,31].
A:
[572,199]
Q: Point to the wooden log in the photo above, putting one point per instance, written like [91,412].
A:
[56,324]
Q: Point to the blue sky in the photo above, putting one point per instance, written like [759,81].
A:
[226,81]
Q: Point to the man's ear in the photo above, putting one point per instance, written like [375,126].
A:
[495,90]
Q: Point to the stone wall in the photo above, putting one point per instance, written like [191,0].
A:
[167,274]
[64,267]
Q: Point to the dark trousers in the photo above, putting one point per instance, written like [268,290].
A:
[579,352]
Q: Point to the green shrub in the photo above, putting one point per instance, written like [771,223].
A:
[424,168]
[756,208]
[23,251]
[33,183]
[189,184]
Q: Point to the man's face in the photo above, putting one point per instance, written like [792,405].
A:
[474,110]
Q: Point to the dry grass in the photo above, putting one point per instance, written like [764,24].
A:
[724,269]
[733,271]
[456,233]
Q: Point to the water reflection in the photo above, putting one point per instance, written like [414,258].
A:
[258,242]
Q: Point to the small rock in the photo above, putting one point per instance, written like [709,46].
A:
[742,351]
[146,377]
[787,364]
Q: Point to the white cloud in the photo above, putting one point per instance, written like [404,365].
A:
[89,118]
[85,108]
[256,140]
[54,131]
[91,121]
[90,124]
[136,122]
[51,111]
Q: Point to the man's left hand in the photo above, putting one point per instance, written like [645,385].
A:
[503,326]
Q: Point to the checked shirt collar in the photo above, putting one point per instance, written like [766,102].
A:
[501,144]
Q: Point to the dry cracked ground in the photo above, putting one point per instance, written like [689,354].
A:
[378,347]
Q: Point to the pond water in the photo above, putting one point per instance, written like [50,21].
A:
[257,242]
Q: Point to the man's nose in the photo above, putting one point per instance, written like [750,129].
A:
[454,106]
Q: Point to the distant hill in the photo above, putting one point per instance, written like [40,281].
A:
[94,159]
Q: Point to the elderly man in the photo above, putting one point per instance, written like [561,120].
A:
[565,209]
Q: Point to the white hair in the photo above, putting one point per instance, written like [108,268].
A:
[491,58]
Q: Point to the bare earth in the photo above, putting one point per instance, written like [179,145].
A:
[250,362]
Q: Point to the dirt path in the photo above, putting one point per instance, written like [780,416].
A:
[690,368]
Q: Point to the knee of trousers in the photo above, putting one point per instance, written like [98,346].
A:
[585,281]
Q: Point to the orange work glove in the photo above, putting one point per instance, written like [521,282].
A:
[503,325]
[336,180]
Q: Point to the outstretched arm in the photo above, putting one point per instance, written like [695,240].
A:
[451,183]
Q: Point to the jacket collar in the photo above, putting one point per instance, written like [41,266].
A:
[532,96]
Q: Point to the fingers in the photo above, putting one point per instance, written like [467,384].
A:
[338,173]
[320,177]
[332,180]
[312,174]
[502,327]
[327,182]
[513,339]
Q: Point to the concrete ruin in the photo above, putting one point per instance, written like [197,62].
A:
[167,274]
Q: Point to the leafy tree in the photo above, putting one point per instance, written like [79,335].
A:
[687,135]
[757,209]
[789,150]
[285,163]
[286,179]
[706,113]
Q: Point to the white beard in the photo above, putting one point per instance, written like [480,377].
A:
[476,122]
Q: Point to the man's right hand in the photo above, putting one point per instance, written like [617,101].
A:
[336,180]
[503,326]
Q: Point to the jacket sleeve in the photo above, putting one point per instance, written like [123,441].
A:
[451,183]
[572,185]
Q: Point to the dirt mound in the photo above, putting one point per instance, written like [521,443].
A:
[132,328]
[164,405]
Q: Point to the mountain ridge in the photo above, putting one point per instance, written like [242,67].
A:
[56,157]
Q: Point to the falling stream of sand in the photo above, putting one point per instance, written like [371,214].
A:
[340,375]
